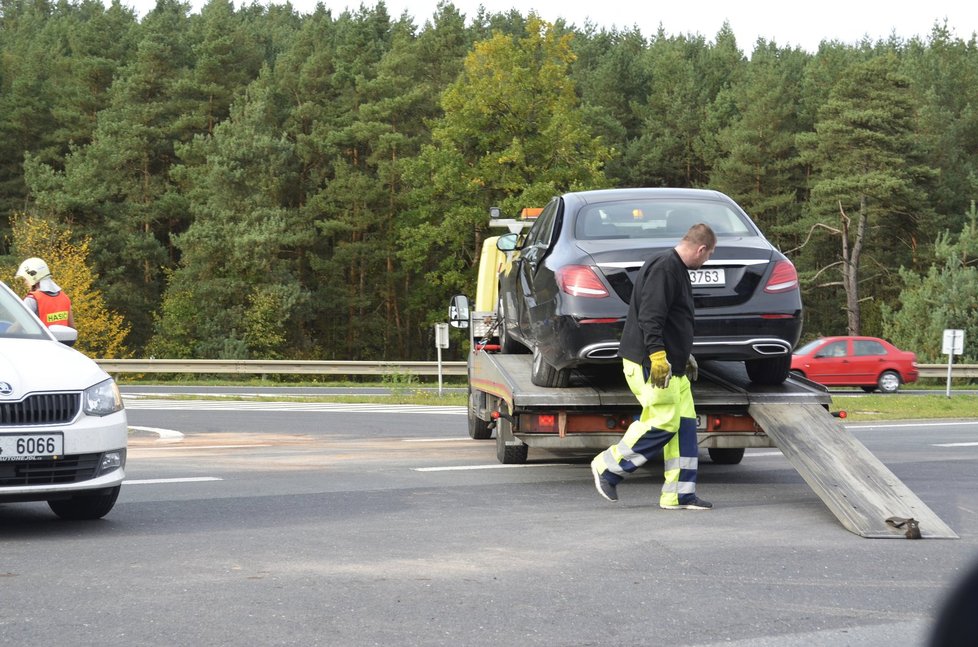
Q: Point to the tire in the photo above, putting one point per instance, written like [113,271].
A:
[770,370]
[479,429]
[543,374]
[508,454]
[507,344]
[726,455]
[86,506]
[868,389]
[889,382]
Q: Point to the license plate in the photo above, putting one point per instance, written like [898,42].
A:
[27,447]
[708,277]
[701,423]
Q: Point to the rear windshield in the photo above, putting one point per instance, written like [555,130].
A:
[657,219]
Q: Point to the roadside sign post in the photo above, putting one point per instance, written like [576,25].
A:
[953,345]
[441,341]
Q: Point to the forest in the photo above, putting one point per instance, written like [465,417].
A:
[255,182]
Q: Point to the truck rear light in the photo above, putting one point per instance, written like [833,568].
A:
[580,281]
[784,277]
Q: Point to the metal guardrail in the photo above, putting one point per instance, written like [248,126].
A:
[313,367]
[270,367]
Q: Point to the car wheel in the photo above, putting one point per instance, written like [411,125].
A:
[543,374]
[770,370]
[479,429]
[889,382]
[726,455]
[86,506]
[507,344]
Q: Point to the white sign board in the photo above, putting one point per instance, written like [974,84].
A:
[953,342]
[441,335]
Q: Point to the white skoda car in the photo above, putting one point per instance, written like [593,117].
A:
[62,424]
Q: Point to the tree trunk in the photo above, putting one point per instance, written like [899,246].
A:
[850,264]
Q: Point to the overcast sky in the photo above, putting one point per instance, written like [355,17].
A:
[787,23]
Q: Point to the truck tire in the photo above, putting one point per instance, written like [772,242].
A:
[479,429]
[508,454]
[726,455]
[768,371]
[86,506]
[543,374]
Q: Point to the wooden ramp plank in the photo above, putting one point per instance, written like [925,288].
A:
[856,486]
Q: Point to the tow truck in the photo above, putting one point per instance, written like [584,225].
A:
[596,407]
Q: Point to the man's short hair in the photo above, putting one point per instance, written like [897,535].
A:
[701,234]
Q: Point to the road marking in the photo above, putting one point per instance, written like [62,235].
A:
[461,468]
[166,435]
[172,447]
[189,479]
[309,407]
[436,440]
[914,425]
[754,454]
[956,445]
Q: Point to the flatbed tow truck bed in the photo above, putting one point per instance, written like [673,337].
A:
[734,414]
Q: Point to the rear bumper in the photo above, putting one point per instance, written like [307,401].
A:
[572,341]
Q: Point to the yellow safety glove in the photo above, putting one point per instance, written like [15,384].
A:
[661,371]
[692,369]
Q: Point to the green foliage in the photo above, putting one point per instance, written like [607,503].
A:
[946,297]
[259,182]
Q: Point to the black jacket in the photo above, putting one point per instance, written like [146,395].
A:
[660,314]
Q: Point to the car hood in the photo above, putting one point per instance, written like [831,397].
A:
[744,259]
[33,365]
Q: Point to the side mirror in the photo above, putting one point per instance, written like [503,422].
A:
[65,334]
[508,242]
[458,312]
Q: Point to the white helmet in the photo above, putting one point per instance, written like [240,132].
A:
[33,270]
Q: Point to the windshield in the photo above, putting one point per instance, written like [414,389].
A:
[16,320]
[657,219]
[807,348]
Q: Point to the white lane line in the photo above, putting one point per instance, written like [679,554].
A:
[436,440]
[172,447]
[911,425]
[955,445]
[189,479]
[755,454]
[462,468]
[166,435]
[308,407]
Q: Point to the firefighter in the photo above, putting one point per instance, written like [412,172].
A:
[656,346]
[45,298]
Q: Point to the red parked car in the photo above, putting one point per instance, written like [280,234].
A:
[868,362]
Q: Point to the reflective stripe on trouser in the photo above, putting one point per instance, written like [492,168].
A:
[667,423]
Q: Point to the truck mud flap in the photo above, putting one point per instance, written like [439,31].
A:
[855,485]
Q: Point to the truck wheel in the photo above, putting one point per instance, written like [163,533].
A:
[543,374]
[771,370]
[508,454]
[726,455]
[86,506]
[479,429]
[889,382]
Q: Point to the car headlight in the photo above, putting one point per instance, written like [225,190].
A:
[102,399]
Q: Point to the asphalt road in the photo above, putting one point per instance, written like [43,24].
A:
[314,524]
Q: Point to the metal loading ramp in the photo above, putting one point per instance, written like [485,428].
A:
[859,489]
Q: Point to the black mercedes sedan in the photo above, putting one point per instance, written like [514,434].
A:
[563,294]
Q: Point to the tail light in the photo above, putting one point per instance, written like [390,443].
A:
[581,281]
[783,278]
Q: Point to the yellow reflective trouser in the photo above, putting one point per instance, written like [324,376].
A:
[667,423]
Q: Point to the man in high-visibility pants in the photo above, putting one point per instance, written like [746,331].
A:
[656,346]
